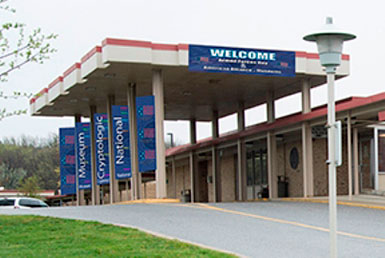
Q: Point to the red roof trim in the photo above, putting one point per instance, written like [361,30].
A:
[381,116]
[71,69]
[316,56]
[32,100]
[145,44]
[58,79]
[97,49]
[342,105]
[126,42]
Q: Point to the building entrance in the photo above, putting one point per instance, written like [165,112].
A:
[257,174]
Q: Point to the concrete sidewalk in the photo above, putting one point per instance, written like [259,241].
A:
[362,200]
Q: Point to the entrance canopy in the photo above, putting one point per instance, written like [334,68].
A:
[110,68]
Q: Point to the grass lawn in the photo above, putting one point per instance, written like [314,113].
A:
[34,236]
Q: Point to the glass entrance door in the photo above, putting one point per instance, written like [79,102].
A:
[256,174]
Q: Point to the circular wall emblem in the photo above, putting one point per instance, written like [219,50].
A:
[294,158]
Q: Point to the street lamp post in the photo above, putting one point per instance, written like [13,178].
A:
[329,42]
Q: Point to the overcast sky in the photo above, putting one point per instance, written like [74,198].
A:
[83,24]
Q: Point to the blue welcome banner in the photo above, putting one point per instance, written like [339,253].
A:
[101,149]
[83,155]
[145,116]
[67,161]
[120,126]
[241,61]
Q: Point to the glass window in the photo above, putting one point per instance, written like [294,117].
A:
[32,203]
[381,150]
[7,202]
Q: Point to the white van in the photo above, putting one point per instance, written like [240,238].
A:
[21,203]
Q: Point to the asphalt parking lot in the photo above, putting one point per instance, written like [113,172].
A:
[252,229]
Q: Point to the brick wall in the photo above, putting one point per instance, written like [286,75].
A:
[227,177]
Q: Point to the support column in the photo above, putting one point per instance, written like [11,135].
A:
[241,148]
[192,175]
[349,140]
[136,176]
[114,185]
[193,131]
[95,191]
[306,103]
[356,165]
[271,164]
[215,159]
[79,193]
[173,175]
[241,117]
[270,107]
[160,173]
[241,155]
[307,160]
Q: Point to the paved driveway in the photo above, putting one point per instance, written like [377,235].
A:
[257,229]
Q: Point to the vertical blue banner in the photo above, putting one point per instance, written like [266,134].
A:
[101,150]
[120,126]
[67,161]
[83,155]
[145,115]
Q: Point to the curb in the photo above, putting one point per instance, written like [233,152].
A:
[345,203]
[149,201]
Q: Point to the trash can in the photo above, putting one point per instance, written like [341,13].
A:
[283,186]
[185,195]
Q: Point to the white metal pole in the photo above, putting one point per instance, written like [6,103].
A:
[332,164]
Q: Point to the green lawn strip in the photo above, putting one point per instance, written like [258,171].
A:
[35,236]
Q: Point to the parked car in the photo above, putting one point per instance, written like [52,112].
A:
[21,203]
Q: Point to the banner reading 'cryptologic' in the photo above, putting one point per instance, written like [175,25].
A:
[101,149]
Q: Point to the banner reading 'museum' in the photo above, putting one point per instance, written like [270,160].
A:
[83,155]
[67,161]
[120,126]
[145,116]
[101,150]
[241,61]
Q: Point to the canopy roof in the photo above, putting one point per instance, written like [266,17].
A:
[108,69]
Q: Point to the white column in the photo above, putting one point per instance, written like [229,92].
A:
[306,103]
[271,164]
[307,160]
[95,192]
[136,177]
[356,164]
[349,140]
[113,182]
[160,174]
[270,107]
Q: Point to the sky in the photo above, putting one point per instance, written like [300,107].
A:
[279,24]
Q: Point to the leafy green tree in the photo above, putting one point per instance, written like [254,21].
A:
[30,186]
[27,157]
[19,46]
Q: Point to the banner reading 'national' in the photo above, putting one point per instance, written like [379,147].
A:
[121,134]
